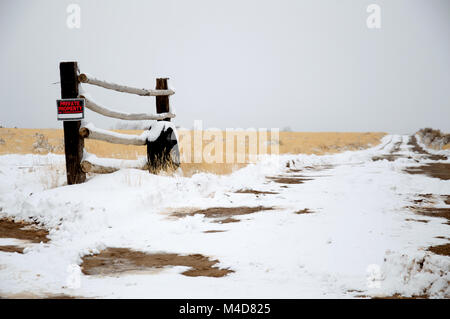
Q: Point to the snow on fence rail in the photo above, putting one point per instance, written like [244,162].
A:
[94,106]
[85,78]
[90,131]
[75,132]
[93,164]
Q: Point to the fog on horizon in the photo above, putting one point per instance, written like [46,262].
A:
[307,65]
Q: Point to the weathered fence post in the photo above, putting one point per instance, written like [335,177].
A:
[73,142]
[158,151]
[162,102]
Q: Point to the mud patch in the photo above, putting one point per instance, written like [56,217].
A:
[389,157]
[429,195]
[289,180]
[443,250]
[392,155]
[298,178]
[417,220]
[350,291]
[252,191]
[28,295]
[62,296]
[446,199]
[319,167]
[398,296]
[12,249]
[304,211]
[436,170]
[22,230]
[223,215]
[432,212]
[416,148]
[227,220]
[424,199]
[118,260]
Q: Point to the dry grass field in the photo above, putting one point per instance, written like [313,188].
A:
[43,141]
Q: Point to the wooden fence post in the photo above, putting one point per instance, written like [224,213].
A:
[73,142]
[162,102]
[158,150]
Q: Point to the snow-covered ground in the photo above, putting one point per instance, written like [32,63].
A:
[360,239]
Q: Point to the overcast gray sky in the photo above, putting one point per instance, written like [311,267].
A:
[312,65]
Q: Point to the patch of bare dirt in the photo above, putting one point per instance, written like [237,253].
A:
[227,220]
[252,191]
[62,296]
[319,167]
[354,290]
[11,249]
[304,211]
[398,296]
[415,147]
[22,230]
[416,220]
[424,199]
[306,168]
[288,180]
[440,212]
[436,170]
[443,250]
[429,211]
[223,214]
[392,155]
[389,157]
[431,199]
[436,157]
[446,199]
[28,295]
[119,260]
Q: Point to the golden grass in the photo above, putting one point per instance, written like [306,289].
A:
[20,141]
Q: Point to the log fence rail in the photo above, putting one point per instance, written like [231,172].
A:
[78,161]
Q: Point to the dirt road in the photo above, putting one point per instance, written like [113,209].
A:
[369,223]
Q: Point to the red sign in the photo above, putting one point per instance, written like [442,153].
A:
[70,109]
